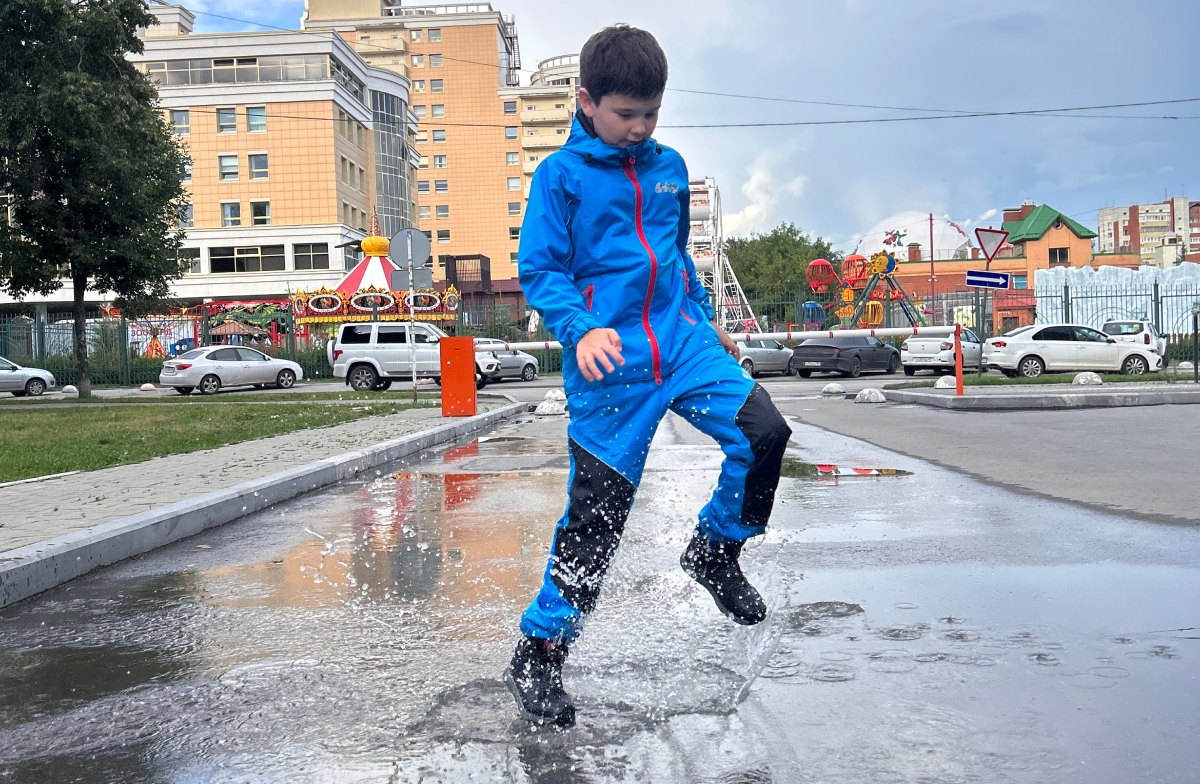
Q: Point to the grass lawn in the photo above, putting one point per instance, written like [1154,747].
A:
[971,379]
[141,398]
[40,441]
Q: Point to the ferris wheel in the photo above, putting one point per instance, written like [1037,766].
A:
[706,245]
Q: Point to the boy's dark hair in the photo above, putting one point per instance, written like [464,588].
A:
[623,60]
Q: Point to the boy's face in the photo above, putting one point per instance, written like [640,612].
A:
[620,120]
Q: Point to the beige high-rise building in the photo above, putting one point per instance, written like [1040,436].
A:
[458,58]
[546,107]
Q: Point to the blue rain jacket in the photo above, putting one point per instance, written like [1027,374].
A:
[604,244]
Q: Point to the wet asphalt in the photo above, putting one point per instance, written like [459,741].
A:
[923,628]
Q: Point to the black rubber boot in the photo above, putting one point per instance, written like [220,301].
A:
[715,566]
[534,676]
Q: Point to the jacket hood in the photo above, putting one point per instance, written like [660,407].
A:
[584,142]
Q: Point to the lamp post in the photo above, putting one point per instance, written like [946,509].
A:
[1196,342]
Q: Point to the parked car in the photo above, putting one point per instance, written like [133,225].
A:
[1136,331]
[849,356]
[1032,350]
[22,381]
[937,354]
[513,363]
[211,368]
[370,355]
[765,356]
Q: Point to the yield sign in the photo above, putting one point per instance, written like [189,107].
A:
[990,241]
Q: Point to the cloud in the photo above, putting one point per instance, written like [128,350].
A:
[987,214]
[763,193]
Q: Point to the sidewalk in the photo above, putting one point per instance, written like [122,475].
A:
[56,529]
[1050,396]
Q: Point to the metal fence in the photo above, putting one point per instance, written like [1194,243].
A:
[123,351]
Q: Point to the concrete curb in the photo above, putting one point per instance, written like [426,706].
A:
[1025,401]
[29,570]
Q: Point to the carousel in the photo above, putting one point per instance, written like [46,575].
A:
[365,294]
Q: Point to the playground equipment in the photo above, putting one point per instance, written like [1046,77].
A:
[864,286]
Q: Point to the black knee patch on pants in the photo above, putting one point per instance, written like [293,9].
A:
[598,505]
[768,433]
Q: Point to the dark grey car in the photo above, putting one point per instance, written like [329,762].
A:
[849,356]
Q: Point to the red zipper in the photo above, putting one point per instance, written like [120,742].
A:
[631,173]
[587,295]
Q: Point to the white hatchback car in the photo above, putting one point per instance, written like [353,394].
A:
[213,367]
[1032,350]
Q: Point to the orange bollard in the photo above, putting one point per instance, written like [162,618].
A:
[458,376]
[958,380]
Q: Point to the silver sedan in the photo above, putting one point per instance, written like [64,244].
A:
[513,363]
[22,381]
[213,367]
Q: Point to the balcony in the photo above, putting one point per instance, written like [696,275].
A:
[542,142]
[541,116]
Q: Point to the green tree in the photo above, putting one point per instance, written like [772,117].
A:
[92,169]
[773,264]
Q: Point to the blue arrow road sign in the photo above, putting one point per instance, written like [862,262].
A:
[987,280]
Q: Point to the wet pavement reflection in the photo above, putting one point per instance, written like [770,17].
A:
[923,627]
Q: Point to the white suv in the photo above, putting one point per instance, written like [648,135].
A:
[1136,331]
[370,355]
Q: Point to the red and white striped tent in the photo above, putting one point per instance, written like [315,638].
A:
[372,271]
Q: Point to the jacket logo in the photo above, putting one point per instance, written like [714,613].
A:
[666,187]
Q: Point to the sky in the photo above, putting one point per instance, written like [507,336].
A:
[835,181]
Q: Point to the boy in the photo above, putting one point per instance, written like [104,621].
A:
[603,259]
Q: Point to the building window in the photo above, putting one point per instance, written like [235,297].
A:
[423,213]
[512,158]
[443,236]
[514,183]
[228,165]
[437,85]
[311,257]
[421,137]
[422,186]
[514,208]
[418,61]
[258,165]
[186,217]
[418,86]
[419,111]
[439,110]
[435,61]
[512,257]
[439,135]
[1020,281]
[181,123]
[226,120]
[187,171]
[510,107]
[256,119]
[439,161]
[231,213]
[1059,256]
[189,260]
[416,35]
[267,258]
[435,35]
[514,232]
[510,132]
[443,210]
[260,213]
[441,186]
[423,163]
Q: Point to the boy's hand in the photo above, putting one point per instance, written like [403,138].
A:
[593,352]
[727,343]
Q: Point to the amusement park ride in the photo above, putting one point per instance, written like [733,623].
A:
[706,246]
[862,289]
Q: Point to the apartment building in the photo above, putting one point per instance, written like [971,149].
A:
[1146,229]
[470,181]
[546,107]
[294,139]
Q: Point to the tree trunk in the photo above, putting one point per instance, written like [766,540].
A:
[81,347]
